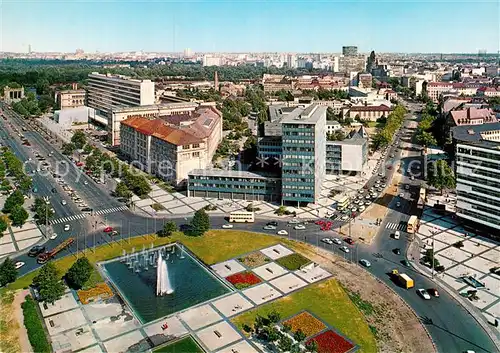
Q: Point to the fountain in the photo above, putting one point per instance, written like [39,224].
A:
[163,285]
[182,252]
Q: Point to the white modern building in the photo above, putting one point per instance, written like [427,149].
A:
[106,92]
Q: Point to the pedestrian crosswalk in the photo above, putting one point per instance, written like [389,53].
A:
[84,215]
[396,226]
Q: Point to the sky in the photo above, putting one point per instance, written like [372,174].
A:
[250,26]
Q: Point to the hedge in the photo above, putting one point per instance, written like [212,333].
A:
[34,326]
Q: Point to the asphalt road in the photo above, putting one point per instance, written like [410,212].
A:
[450,325]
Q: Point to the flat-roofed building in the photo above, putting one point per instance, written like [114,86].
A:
[106,92]
[367,112]
[347,156]
[74,98]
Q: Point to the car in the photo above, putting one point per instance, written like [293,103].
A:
[269,227]
[412,177]
[368,203]
[86,209]
[405,263]
[299,227]
[53,236]
[397,251]
[108,229]
[389,167]
[407,187]
[398,204]
[367,197]
[349,241]
[344,218]
[227,226]
[293,221]
[344,249]
[85,182]
[434,292]
[402,195]
[63,202]
[365,262]
[115,233]
[397,234]
[272,223]
[361,208]
[383,185]
[423,294]
[19,264]
[66,227]
[327,241]
[282,232]
[380,174]
[36,250]
[354,209]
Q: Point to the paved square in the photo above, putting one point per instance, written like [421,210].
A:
[158,335]
[101,310]
[455,254]
[240,347]
[67,302]
[276,251]
[218,335]
[7,248]
[228,268]
[313,274]
[200,317]
[28,243]
[485,299]
[65,321]
[93,349]
[180,210]
[73,340]
[157,193]
[145,202]
[288,283]
[173,204]
[115,325]
[455,283]
[261,293]
[124,342]
[480,264]
[269,271]
[492,255]
[492,284]
[232,304]
[164,198]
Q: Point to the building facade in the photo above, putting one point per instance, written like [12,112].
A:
[12,94]
[108,92]
[347,156]
[71,99]
[349,50]
[368,112]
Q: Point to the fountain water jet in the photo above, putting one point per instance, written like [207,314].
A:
[163,285]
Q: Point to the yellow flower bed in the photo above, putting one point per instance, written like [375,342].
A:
[99,292]
[306,323]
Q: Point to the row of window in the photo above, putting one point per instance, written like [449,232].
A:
[464,196]
[290,141]
[478,163]
[481,181]
[228,186]
[478,216]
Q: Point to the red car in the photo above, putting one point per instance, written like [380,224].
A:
[320,222]
[108,229]
[79,164]
[389,167]
[349,241]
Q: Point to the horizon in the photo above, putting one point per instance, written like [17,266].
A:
[207,26]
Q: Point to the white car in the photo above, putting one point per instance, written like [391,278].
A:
[269,227]
[327,241]
[53,236]
[383,185]
[293,221]
[299,227]
[66,227]
[227,226]
[361,208]
[398,204]
[344,249]
[412,177]
[85,182]
[337,241]
[402,195]
[423,293]
[63,202]
[282,232]
[368,197]
[19,264]
[365,262]
[344,218]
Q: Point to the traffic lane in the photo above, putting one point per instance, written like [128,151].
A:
[452,328]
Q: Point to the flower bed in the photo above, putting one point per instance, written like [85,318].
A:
[253,260]
[293,261]
[243,279]
[306,323]
[330,342]
[100,292]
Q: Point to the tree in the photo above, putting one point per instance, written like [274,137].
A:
[88,149]
[426,139]
[43,212]
[3,225]
[79,273]
[122,190]
[312,346]
[285,344]
[68,148]
[440,175]
[79,139]
[299,335]
[168,229]
[18,215]
[14,199]
[48,281]
[26,183]
[200,223]
[8,272]
[330,114]
[274,317]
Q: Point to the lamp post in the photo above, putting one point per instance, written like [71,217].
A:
[47,203]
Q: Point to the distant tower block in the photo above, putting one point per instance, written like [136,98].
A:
[216,81]
[11,95]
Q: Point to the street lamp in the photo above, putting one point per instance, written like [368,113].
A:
[47,203]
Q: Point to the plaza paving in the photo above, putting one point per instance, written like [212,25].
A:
[110,326]
[475,258]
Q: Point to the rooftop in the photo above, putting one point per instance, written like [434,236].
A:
[370,108]
[182,105]
[226,173]
[473,134]
[310,115]
[465,116]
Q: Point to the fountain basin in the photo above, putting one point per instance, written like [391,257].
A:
[192,283]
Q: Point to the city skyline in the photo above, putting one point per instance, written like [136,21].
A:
[277,26]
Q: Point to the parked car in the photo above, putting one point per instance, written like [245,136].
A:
[433,291]
[293,221]
[36,250]
[423,294]
[349,241]
[397,251]
[344,249]
[19,264]
[53,236]
[108,229]
[282,232]
[269,227]
[299,227]
[327,241]
[227,226]
[272,223]
[365,262]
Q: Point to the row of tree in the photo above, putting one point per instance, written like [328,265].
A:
[394,121]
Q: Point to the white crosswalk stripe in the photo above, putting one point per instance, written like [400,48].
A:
[84,215]
[396,226]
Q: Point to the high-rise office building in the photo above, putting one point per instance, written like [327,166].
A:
[349,51]
[107,92]
[291,61]
[303,159]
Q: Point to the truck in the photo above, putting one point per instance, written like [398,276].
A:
[43,258]
[403,279]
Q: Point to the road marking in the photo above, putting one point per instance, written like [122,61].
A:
[396,226]
[84,215]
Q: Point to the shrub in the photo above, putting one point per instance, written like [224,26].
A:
[79,273]
[34,326]
[293,261]
[459,244]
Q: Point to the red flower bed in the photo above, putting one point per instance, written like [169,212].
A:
[330,342]
[243,279]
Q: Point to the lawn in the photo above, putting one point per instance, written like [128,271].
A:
[326,300]
[214,246]
[293,261]
[183,345]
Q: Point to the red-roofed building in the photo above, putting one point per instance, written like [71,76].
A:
[488,92]
[471,116]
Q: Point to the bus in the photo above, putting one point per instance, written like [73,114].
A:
[241,217]
[421,199]
[342,203]
[412,225]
